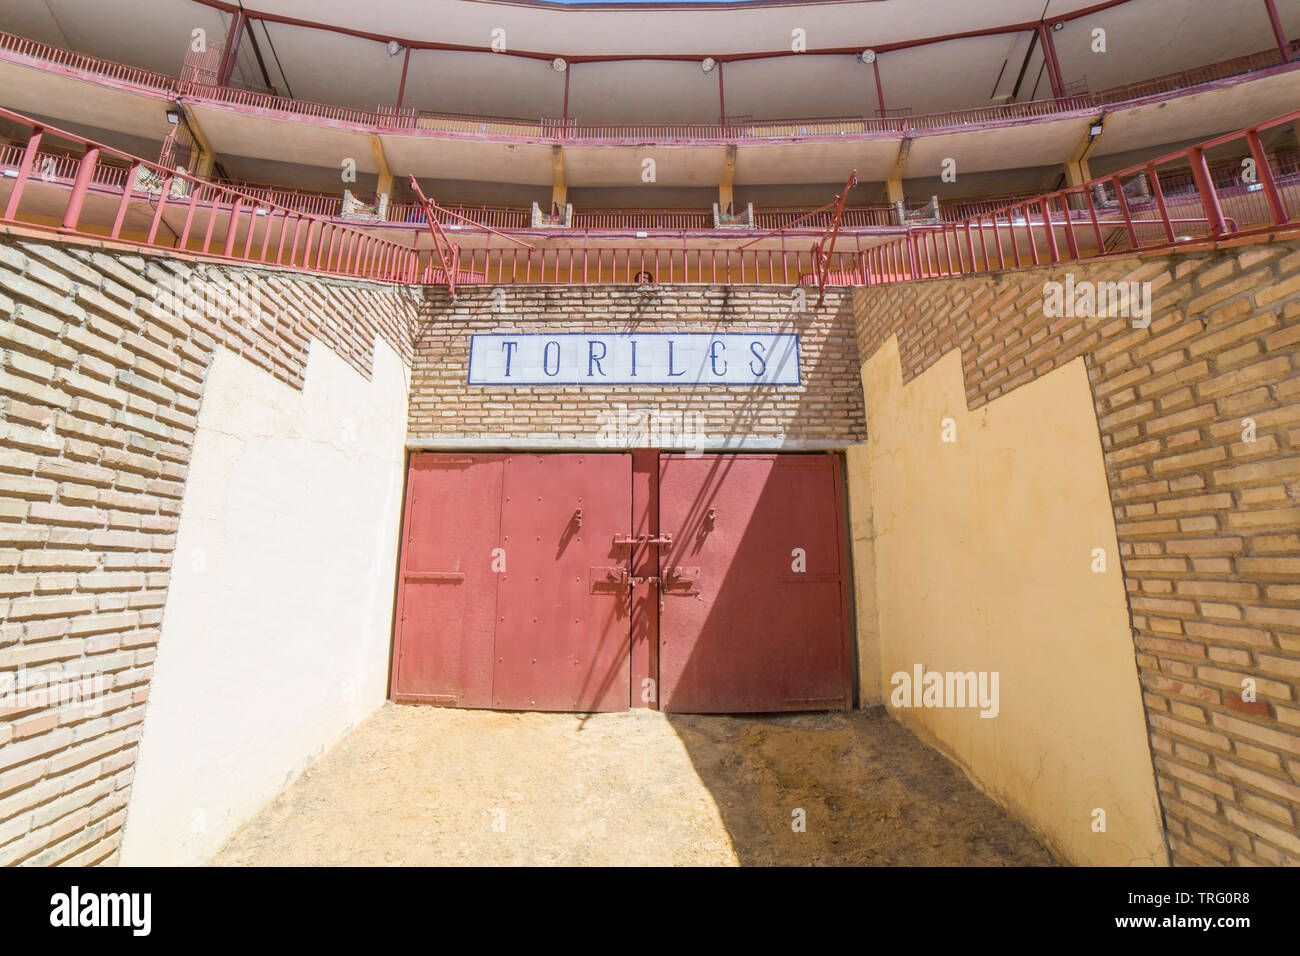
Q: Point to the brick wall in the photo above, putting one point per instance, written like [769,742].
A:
[825,411]
[1208,522]
[103,358]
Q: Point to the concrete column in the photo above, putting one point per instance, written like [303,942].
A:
[385,187]
[894,182]
[726,195]
[559,188]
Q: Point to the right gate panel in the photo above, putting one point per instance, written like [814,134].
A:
[754,612]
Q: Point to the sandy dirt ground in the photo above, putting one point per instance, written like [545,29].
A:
[424,785]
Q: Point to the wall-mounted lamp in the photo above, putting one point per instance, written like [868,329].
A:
[867,56]
[707,64]
[394,48]
[558,64]
[173,117]
[1058,26]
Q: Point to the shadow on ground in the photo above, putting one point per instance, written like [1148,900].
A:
[872,794]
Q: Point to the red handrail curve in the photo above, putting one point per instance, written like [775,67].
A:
[316,245]
[1143,207]
[1123,212]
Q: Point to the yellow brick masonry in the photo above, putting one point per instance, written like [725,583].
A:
[99,397]
[1208,520]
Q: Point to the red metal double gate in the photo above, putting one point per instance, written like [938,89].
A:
[594,582]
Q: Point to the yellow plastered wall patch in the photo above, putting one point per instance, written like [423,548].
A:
[987,527]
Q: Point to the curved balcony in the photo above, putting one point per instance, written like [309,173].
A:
[1149,206]
[197,83]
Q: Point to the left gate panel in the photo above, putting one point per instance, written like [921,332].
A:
[446,606]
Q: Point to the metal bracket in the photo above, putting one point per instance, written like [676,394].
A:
[604,580]
[682,581]
[663,540]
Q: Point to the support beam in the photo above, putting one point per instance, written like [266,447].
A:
[1049,58]
[1276,22]
[567,71]
[894,183]
[726,196]
[207,157]
[880,90]
[559,188]
[385,174]
[1076,166]
[722,98]
[401,87]
[257,52]
[227,67]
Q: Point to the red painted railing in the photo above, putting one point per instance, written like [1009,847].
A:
[1171,82]
[59,167]
[214,220]
[585,263]
[1125,212]
[315,203]
[681,220]
[746,129]
[198,84]
[16,47]
[958,209]
[494,217]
